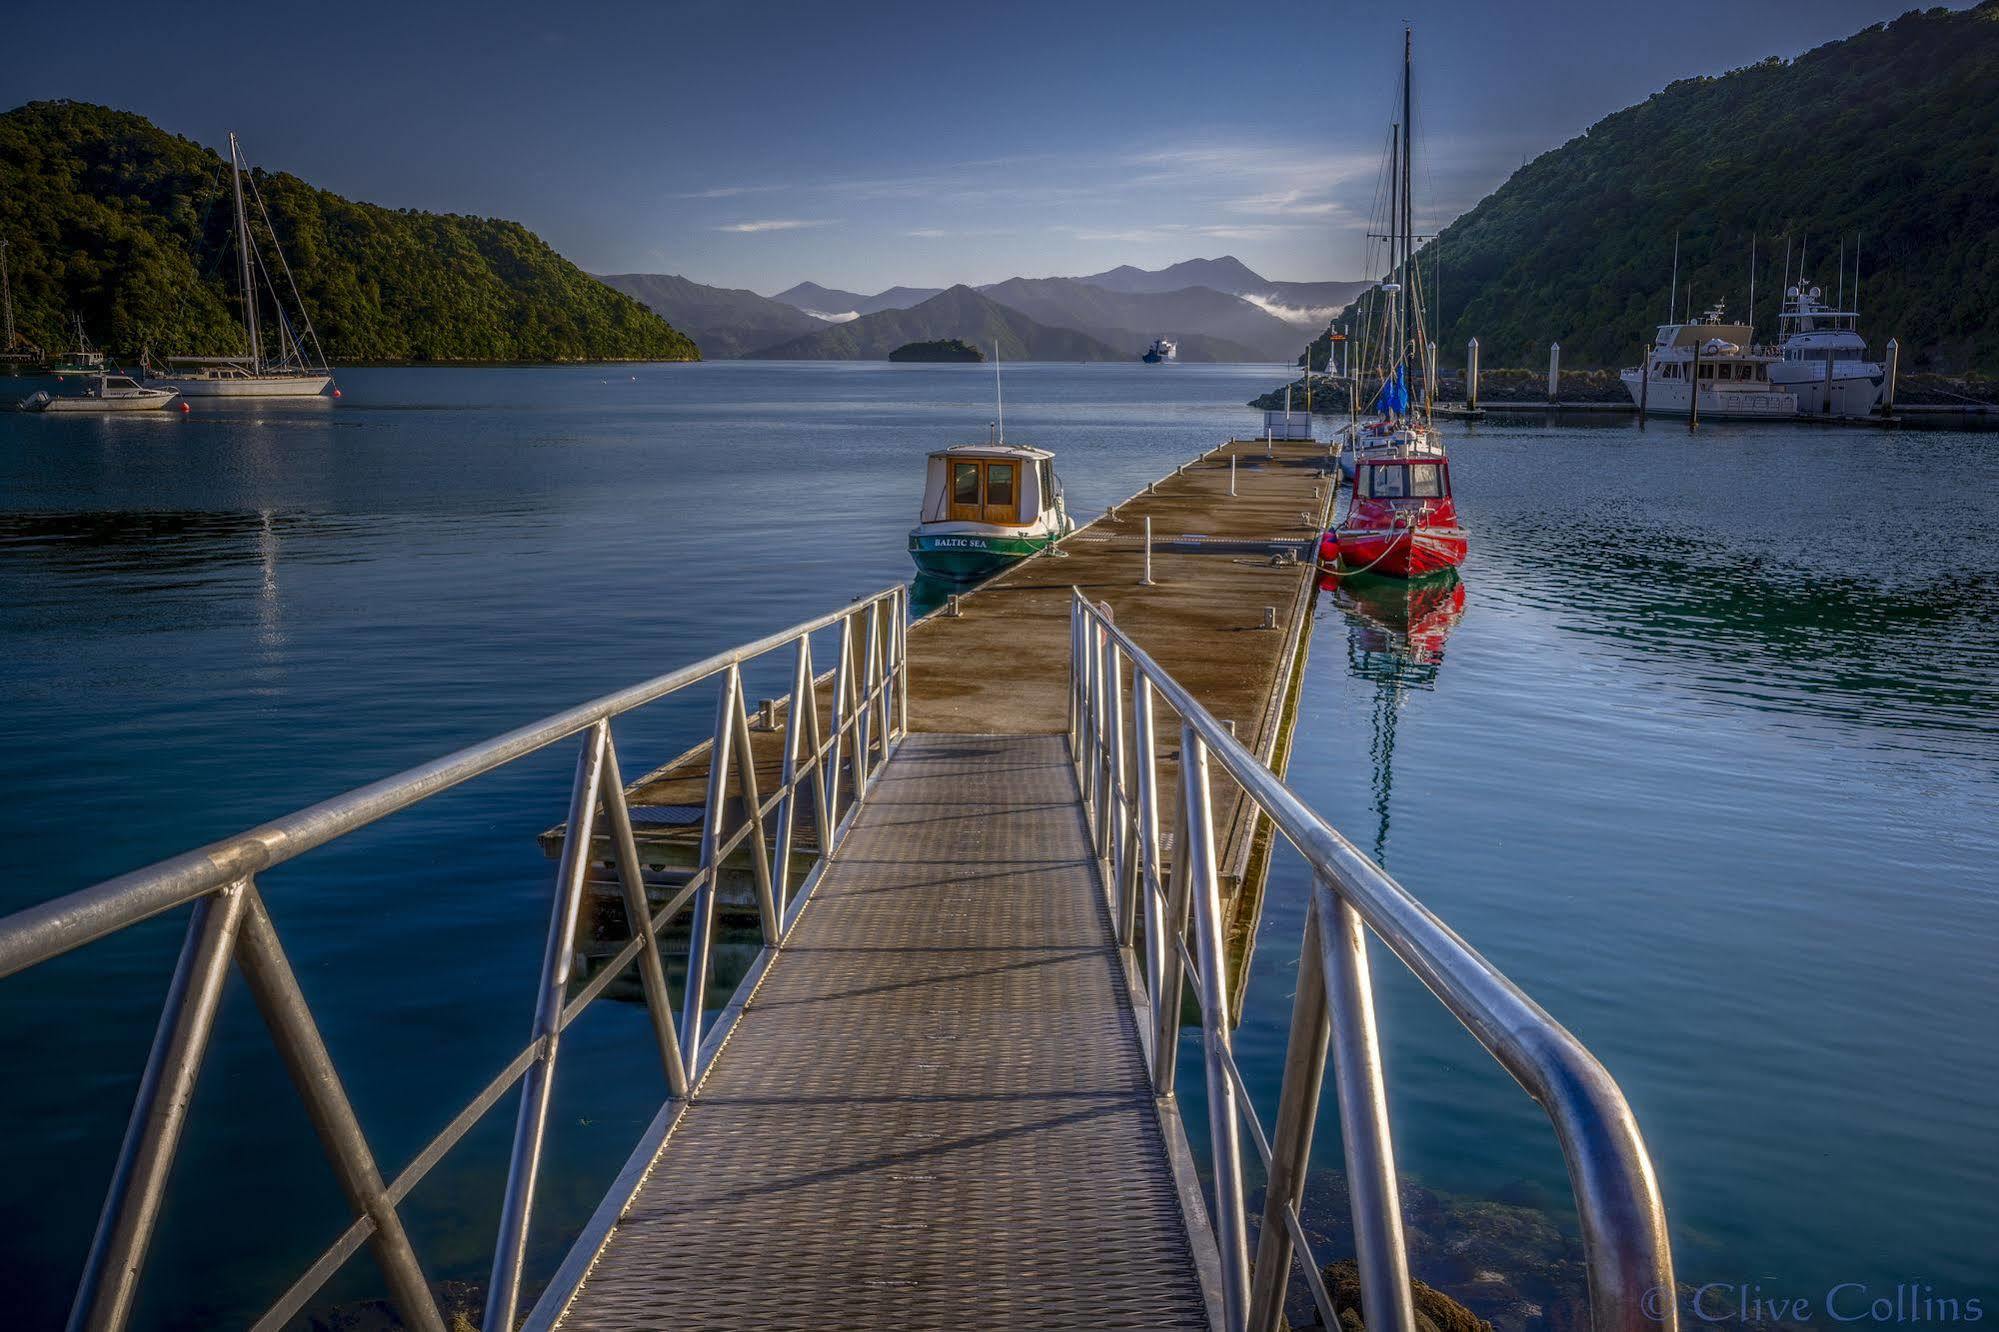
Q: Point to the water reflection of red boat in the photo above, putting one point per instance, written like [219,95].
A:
[1401,619]
[1399,520]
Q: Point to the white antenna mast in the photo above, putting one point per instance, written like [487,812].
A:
[999,396]
[1673,293]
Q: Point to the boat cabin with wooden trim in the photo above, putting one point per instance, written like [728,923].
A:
[984,507]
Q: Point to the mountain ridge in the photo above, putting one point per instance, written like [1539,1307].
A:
[115,220]
[956,312]
[1885,136]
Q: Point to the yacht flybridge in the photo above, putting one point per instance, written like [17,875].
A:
[1398,517]
[1712,358]
[286,364]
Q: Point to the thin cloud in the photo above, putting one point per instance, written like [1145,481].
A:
[774,224]
[927,233]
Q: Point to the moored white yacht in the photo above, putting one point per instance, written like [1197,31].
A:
[294,371]
[1712,357]
[1809,333]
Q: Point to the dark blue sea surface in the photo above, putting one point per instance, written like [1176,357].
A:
[1706,761]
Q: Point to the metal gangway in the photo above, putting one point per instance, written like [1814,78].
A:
[945,1091]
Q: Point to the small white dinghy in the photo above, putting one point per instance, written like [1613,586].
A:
[111,393]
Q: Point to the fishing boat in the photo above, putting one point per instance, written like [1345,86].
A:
[1711,357]
[1396,516]
[986,506]
[84,362]
[295,367]
[111,393]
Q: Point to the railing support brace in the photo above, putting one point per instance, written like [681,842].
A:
[110,1283]
[631,878]
[274,986]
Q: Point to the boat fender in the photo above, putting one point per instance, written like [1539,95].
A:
[1329,548]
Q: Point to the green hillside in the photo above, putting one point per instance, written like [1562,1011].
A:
[112,219]
[1891,135]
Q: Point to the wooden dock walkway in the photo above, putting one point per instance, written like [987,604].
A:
[933,1110]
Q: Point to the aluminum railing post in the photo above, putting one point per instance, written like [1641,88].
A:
[1089,755]
[1225,1146]
[1166,1015]
[1123,815]
[1291,1140]
[538,1083]
[842,670]
[815,741]
[788,780]
[902,660]
[1149,874]
[638,910]
[109,1287]
[1075,680]
[746,787]
[274,987]
[1100,754]
[1380,1248]
[713,833]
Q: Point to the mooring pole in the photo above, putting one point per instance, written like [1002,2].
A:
[1894,367]
[1694,390]
[1827,409]
[1554,371]
[1471,375]
[1644,380]
[1147,580]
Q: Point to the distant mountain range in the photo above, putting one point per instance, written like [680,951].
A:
[958,312]
[1216,309]
[833,304]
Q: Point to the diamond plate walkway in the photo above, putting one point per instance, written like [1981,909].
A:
[934,1110]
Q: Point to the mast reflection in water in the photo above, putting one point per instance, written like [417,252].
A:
[1395,637]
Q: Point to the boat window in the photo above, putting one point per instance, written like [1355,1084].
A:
[1707,371]
[964,483]
[1426,481]
[1387,481]
[999,485]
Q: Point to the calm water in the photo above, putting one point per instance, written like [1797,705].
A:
[1706,761]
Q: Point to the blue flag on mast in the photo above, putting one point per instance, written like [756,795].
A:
[1395,394]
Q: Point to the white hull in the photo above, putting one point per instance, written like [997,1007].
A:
[1668,397]
[1858,387]
[263,386]
[148,403]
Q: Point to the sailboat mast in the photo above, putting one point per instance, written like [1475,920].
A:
[1393,313]
[1409,330]
[1673,291]
[243,255]
[6,298]
[1752,288]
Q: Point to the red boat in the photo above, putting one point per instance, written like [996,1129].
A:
[1400,519]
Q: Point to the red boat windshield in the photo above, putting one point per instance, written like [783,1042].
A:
[1403,481]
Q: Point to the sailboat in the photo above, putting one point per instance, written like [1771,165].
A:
[290,370]
[16,351]
[1399,517]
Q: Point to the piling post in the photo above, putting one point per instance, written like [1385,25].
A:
[1554,371]
[1894,368]
[1694,390]
[1471,375]
[1430,381]
[1644,380]
[1231,477]
[1146,581]
[1826,409]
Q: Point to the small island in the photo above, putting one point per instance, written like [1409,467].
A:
[937,349]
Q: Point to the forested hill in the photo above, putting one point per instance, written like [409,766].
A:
[1891,135]
[112,219]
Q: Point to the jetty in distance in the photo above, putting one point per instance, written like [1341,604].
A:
[999,924]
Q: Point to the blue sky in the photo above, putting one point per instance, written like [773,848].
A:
[861,146]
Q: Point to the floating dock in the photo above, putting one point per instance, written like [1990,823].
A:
[1233,575]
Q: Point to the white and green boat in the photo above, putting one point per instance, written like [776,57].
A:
[986,506]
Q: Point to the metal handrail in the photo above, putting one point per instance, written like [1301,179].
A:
[870,711]
[1627,1253]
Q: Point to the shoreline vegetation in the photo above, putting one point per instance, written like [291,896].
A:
[113,222]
